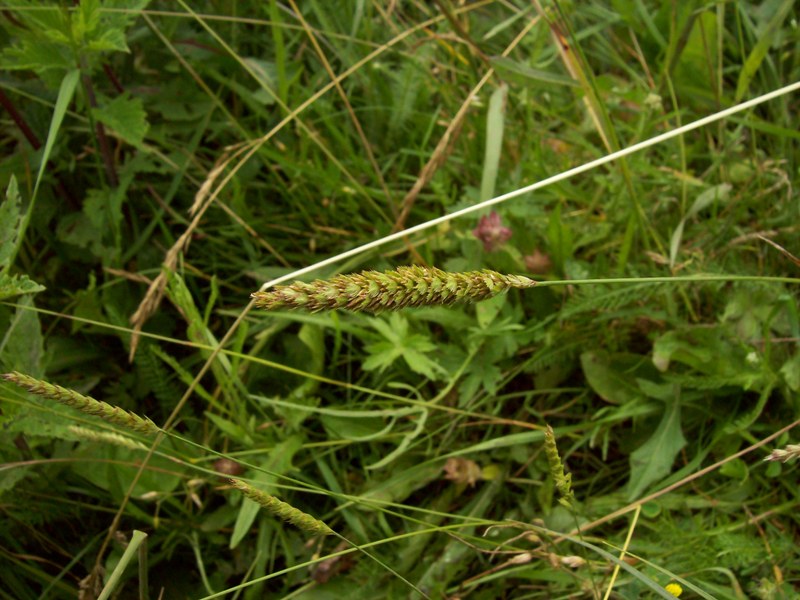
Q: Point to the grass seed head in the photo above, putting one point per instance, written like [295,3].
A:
[373,291]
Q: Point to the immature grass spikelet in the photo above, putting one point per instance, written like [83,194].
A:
[106,437]
[563,480]
[784,455]
[373,291]
[282,510]
[86,404]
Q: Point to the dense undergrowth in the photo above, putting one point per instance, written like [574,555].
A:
[163,160]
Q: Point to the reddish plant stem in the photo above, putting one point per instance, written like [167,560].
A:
[20,122]
[112,77]
[17,117]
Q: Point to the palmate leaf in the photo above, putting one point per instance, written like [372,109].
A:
[16,285]
[399,343]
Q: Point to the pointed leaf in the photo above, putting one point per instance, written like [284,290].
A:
[653,460]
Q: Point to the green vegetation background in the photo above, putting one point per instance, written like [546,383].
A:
[198,150]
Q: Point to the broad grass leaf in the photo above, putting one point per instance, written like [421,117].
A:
[653,460]
[126,116]
[717,193]
[357,429]
[516,71]
[400,485]
[495,123]
[559,237]
[610,376]
[235,432]
[672,346]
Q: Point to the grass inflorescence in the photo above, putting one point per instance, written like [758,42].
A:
[405,287]
[282,510]
[86,404]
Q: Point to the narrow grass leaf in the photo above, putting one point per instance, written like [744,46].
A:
[511,69]
[495,123]
[65,93]
[137,539]
[759,52]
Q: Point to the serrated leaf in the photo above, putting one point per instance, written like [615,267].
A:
[38,56]
[653,460]
[98,223]
[126,116]
[109,40]
[10,224]
[85,21]
[22,345]
[16,285]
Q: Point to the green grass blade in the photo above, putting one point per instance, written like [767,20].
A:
[136,539]
[495,122]
[65,93]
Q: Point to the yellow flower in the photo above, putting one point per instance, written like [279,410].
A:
[674,589]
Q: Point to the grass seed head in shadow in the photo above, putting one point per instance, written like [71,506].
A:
[106,437]
[282,510]
[85,404]
[562,480]
[373,291]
